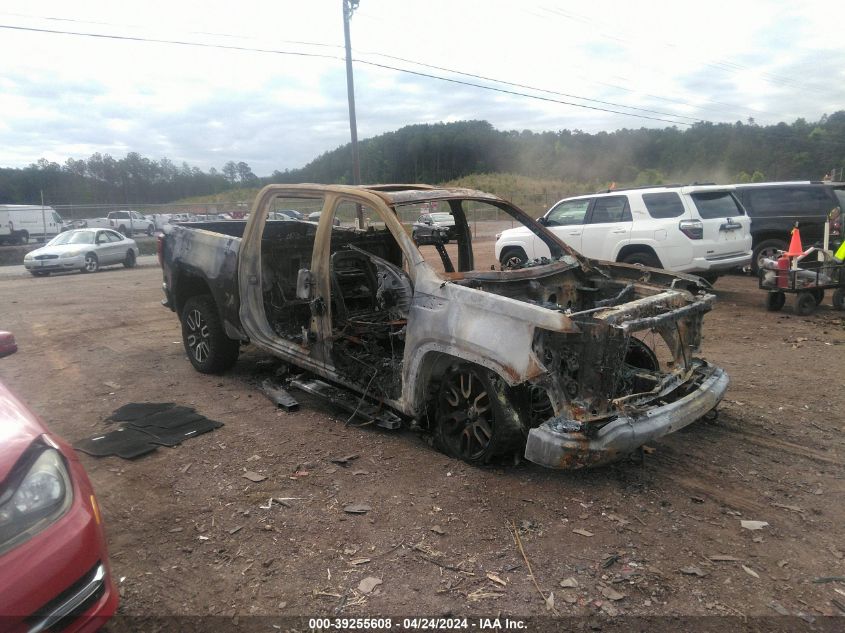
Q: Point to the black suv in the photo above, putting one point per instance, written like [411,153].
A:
[775,207]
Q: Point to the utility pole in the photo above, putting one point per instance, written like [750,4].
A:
[349,7]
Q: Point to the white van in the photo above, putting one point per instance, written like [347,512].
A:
[20,222]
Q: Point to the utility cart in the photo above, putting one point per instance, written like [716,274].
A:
[805,276]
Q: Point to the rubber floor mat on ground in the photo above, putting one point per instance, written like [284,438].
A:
[145,426]
[127,443]
[168,419]
[177,434]
[135,410]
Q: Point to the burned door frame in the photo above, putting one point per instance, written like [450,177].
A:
[315,356]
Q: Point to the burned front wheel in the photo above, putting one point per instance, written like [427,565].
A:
[474,419]
[209,349]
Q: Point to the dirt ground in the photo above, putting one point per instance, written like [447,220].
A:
[660,535]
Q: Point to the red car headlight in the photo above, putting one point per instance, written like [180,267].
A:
[37,493]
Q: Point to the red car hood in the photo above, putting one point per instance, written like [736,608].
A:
[18,428]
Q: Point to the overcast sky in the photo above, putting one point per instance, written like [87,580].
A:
[67,96]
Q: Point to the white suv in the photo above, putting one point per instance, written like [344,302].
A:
[700,229]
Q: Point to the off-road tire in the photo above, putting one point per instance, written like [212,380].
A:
[805,303]
[775,301]
[818,295]
[206,344]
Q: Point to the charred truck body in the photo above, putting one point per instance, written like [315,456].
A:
[572,361]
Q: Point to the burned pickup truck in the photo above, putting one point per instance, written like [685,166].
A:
[570,361]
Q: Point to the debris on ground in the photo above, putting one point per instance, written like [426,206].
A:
[582,532]
[357,508]
[253,476]
[753,525]
[611,594]
[279,395]
[569,583]
[693,571]
[343,461]
[368,584]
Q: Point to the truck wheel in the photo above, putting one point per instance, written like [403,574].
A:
[150,230]
[766,249]
[805,304]
[838,299]
[129,261]
[513,257]
[775,301]
[122,230]
[206,344]
[92,264]
[471,421]
[23,237]
[646,259]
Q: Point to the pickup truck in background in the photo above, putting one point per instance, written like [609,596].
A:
[124,222]
[569,361]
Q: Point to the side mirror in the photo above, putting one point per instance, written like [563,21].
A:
[304,284]
[541,220]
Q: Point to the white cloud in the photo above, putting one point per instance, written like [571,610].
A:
[70,96]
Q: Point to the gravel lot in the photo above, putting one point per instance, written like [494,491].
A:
[656,536]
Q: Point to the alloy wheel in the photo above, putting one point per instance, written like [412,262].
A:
[198,336]
[466,414]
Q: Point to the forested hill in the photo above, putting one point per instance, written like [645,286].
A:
[437,153]
[718,152]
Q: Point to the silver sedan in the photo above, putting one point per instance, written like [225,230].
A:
[82,249]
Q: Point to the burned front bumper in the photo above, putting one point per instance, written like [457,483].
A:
[556,443]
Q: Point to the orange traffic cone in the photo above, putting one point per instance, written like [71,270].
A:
[795,247]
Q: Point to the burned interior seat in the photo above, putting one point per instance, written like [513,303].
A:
[354,284]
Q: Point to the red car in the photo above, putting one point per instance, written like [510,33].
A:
[54,569]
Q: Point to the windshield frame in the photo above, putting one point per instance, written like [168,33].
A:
[557,247]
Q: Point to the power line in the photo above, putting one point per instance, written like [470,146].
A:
[520,94]
[377,65]
[375,53]
[517,85]
[333,57]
